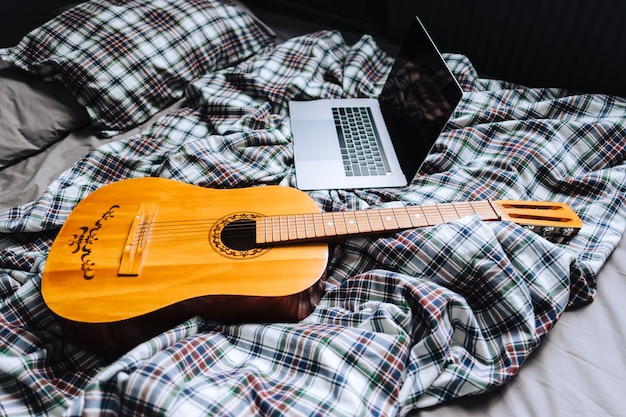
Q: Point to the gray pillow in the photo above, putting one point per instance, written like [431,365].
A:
[34,114]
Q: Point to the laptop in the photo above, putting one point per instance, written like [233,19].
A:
[370,143]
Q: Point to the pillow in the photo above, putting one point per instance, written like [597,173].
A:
[125,60]
[34,115]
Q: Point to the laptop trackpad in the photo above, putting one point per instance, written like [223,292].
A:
[315,140]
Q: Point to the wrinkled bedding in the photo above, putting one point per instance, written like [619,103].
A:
[406,321]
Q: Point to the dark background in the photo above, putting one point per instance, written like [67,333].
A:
[18,17]
[576,44]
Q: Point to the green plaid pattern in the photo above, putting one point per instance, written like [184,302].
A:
[406,321]
[126,60]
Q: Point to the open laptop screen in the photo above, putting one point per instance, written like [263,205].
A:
[418,98]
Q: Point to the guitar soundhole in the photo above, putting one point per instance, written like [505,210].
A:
[235,236]
[239,235]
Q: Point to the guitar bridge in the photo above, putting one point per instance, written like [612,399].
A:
[134,249]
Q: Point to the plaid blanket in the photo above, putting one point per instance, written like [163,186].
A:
[406,321]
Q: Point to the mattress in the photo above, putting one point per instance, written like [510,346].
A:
[579,368]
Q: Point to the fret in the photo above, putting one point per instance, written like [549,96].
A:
[279,230]
[268,232]
[416,214]
[388,219]
[464,209]
[350,220]
[340,224]
[292,227]
[265,227]
[283,226]
[328,221]
[260,230]
[402,217]
[276,229]
[363,222]
[292,224]
[432,215]
[448,212]
[484,210]
[275,235]
[375,221]
[318,225]
[309,226]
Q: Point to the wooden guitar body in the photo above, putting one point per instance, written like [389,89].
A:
[139,256]
[184,267]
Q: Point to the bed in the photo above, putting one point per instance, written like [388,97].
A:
[463,318]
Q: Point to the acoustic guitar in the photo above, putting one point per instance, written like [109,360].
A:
[141,255]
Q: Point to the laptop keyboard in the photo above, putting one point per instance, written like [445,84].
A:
[360,145]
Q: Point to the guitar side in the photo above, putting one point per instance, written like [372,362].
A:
[140,254]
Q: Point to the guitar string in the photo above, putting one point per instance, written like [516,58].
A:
[180,228]
[425,211]
[304,219]
[313,232]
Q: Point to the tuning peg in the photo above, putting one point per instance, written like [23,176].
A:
[547,231]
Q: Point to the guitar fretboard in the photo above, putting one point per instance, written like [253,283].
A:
[301,227]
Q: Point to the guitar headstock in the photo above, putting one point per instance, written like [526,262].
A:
[554,221]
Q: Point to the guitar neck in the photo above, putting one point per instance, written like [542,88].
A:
[320,226]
